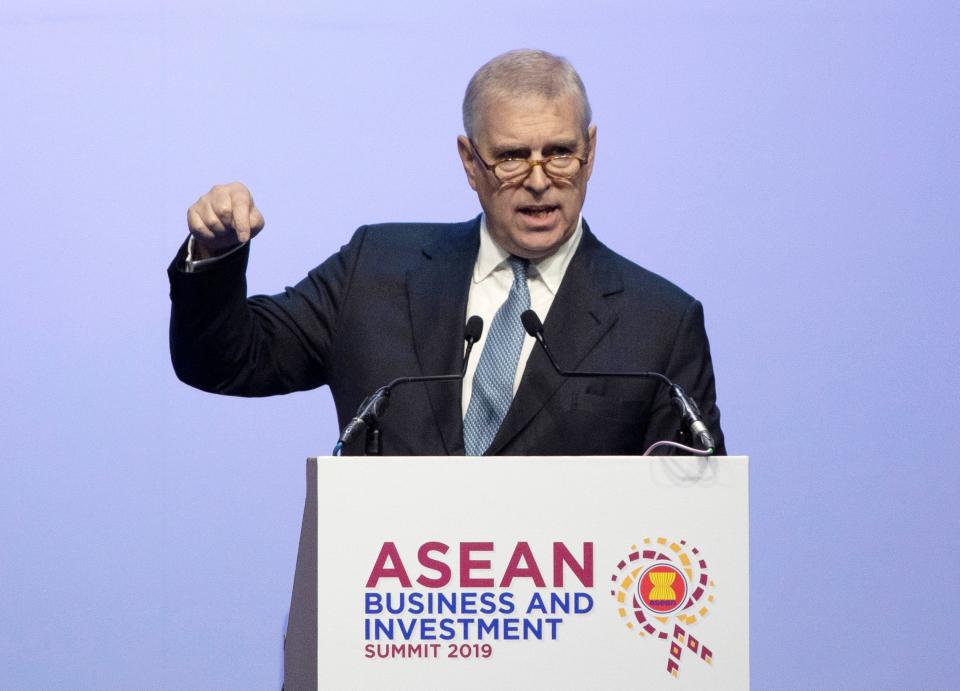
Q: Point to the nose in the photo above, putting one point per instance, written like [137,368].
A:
[537,181]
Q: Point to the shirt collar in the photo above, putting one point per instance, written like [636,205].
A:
[550,269]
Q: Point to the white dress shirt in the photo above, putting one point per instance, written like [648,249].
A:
[490,286]
[192,265]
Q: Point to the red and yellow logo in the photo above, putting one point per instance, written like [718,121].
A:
[661,587]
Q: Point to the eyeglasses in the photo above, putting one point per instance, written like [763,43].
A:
[516,170]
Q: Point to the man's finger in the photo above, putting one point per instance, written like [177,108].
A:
[196,224]
[256,221]
[222,206]
[241,215]
[211,219]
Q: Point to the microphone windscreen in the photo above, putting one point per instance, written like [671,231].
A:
[474,329]
[531,322]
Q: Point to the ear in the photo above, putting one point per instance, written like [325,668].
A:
[469,162]
[591,149]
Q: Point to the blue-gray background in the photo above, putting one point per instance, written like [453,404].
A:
[794,165]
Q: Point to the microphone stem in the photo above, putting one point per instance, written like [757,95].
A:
[466,358]
[578,373]
[437,377]
[369,413]
[689,413]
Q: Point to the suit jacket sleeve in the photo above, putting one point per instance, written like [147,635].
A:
[222,342]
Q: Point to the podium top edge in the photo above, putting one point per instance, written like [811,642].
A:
[513,459]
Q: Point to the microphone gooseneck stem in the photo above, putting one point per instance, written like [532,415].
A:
[466,358]
[367,418]
[684,404]
[373,446]
[585,373]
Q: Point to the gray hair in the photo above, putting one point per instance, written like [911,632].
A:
[524,73]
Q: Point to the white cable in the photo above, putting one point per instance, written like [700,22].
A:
[690,449]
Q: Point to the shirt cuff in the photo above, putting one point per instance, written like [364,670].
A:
[191,265]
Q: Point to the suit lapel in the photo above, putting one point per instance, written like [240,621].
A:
[437,291]
[579,318]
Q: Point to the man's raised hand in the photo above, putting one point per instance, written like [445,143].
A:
[222,219]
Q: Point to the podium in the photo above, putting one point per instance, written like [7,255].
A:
[517,573]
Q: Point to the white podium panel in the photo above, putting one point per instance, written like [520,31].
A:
[519,573]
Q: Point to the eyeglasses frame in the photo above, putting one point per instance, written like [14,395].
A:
[542,162]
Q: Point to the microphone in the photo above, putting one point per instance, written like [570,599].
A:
[368,414]
[370,410]
[471,333]
[689,412]
[685,406]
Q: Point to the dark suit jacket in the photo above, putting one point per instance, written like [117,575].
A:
[393,303]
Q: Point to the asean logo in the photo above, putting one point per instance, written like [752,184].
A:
[662,588]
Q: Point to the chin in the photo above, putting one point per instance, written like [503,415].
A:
[541,242]
[537,250]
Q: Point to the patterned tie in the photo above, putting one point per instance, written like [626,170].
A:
[493,380]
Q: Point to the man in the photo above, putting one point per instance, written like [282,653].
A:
[393,301]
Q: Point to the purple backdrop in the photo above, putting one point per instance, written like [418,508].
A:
[794,165]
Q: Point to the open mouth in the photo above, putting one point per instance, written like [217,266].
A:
[537,210]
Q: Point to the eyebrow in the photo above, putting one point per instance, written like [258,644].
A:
[523,151]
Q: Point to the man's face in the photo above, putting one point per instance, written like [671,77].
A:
[534,217]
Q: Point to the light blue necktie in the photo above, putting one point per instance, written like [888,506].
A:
[493,380]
